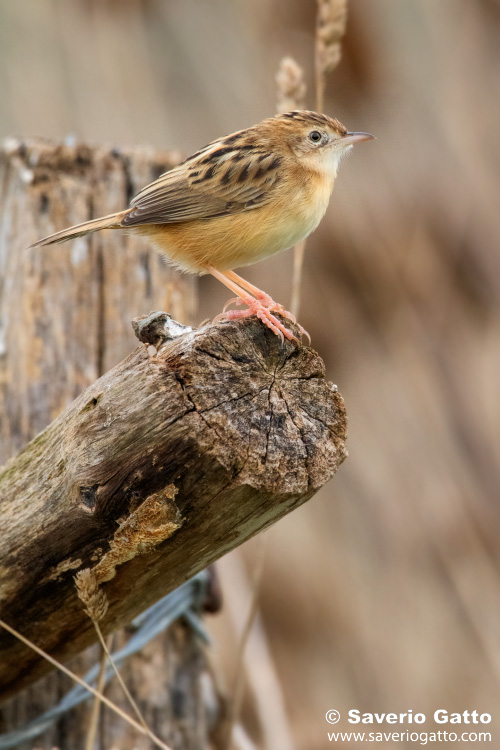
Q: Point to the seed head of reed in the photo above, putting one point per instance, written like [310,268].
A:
[330,27]
[95,600]
[291,87]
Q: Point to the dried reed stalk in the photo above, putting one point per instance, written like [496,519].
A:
[291,94]
[239,681]
[298,264]
[96,707]
[96,606]
[330,27]
[95,600]
[156,740]
[259,669]
[291,87]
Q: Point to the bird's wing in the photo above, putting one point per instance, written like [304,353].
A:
[224,178]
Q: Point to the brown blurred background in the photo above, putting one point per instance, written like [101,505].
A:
[383,593]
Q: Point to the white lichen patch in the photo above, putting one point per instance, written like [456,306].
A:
[55,573]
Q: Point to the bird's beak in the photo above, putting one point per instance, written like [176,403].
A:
[349,138]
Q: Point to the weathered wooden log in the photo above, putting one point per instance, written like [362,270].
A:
[165,463]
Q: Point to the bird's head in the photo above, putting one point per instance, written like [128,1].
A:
[318,141]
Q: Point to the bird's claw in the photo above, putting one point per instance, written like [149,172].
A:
[262,309]
[273,306]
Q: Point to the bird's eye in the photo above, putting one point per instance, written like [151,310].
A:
[315,136]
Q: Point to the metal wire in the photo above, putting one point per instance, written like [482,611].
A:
[184,601]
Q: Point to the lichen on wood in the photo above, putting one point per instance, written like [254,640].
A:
[155,520]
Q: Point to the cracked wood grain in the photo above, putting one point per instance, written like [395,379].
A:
[223,431]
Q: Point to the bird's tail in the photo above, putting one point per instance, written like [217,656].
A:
[113,221]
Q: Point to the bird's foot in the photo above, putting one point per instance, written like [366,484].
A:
[263,312]
[273,306]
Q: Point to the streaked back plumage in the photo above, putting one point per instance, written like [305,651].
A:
[232,175]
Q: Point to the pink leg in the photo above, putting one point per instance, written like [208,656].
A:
[266,300]
[255,306]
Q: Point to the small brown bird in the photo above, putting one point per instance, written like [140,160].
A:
[241,198]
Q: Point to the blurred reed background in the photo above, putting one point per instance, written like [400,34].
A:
[383,593]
